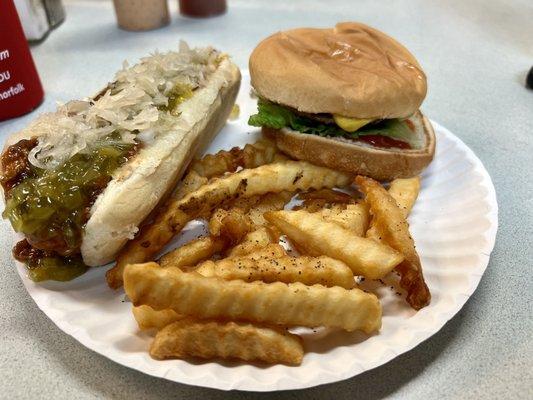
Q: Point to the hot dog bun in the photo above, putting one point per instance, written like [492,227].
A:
[141,183]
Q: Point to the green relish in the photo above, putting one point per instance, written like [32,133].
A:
[56,268]
[178,94]
[51,207]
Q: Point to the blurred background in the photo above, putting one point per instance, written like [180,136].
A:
[448,37]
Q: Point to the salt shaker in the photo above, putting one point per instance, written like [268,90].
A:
[39,17]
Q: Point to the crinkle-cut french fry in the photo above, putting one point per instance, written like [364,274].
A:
[405,193]
[328,195]
[274,303]
[193,252]
[272,250]
[212,165]
[268,202]
[262,152]
[148,318]
[191,182]
[253,241]
[179,261]
[229,340]
[251,156]
[289,175]
[315,205]
[322,270]
[227,228]
[200,171]
[278,177]
[354,217]
[315,236]
[246,203]
[393,228]
[262,235]
[234,221]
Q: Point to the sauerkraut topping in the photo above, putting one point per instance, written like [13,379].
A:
[52,180]
[140,103]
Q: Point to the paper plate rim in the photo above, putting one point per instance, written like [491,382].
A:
[320,377]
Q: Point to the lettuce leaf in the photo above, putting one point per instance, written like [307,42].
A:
[277,117]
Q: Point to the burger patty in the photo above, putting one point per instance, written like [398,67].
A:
[324,118]
[321,117]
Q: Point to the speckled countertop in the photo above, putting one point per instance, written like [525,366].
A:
[476,54]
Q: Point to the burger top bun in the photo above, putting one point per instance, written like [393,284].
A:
[352,70]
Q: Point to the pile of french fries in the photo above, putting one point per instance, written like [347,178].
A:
[235,292]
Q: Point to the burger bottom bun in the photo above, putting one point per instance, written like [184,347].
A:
[358,157]
[143,182]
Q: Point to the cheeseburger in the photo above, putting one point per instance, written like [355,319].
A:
[347,98]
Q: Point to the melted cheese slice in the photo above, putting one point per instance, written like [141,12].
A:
[350,124]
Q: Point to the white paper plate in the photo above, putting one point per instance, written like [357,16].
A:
[454,225]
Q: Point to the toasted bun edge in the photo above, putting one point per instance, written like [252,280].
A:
[380,164]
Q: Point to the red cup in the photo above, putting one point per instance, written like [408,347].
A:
[20,88]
